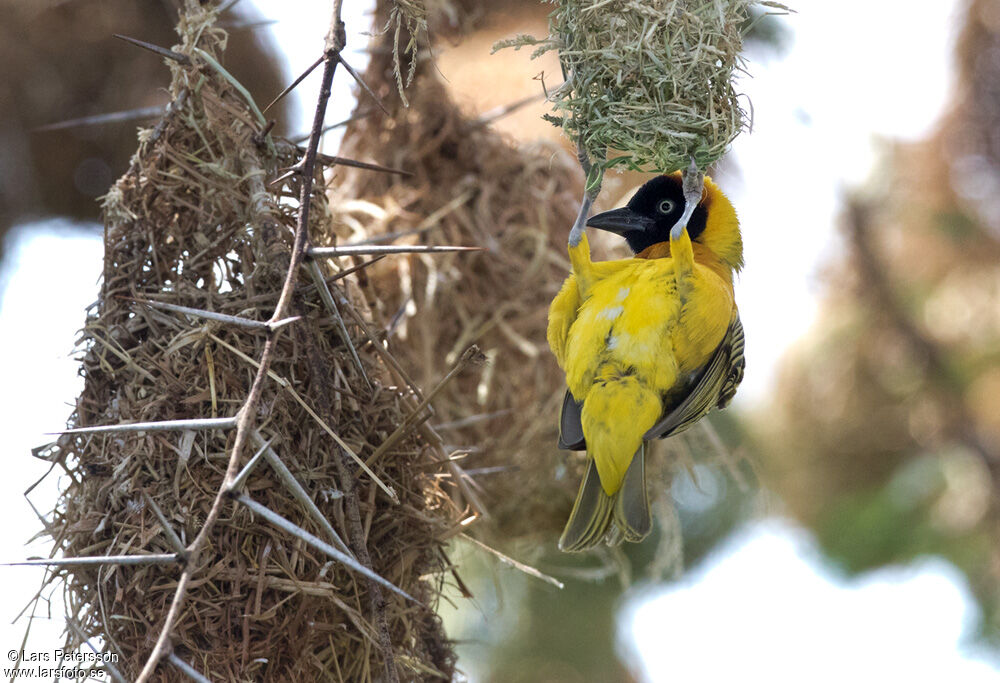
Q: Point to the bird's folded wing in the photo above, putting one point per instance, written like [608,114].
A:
[715,388]
[571,425]
[562,313]
[737,363]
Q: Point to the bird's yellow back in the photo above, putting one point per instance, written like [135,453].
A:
[624,337]
[649,344]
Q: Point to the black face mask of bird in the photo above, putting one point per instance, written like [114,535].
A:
[650,215]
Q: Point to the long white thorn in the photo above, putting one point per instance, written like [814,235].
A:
[377,249]
[320,544]
[161,426]
[189,670]
[171,558]
[297,491]
[331,305]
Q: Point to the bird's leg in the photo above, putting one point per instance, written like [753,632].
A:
[590,191]
[581,220]
[693,183]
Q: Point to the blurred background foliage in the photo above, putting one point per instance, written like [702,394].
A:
[60,64]
[884,434]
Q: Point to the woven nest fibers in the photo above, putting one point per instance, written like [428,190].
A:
[647,84]
[471,187]
[194,224]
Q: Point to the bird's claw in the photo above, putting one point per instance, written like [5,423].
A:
[693,184]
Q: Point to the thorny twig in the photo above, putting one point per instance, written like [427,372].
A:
[247,413]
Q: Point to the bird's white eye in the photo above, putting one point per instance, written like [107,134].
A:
[665,206]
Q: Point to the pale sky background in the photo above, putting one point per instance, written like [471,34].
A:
[820,110]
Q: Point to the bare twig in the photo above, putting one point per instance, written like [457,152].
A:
[362,114]
[189,670]
[240,480]
[328,160]
[331,305]
[173,107]
[331,160]
[246,25]
[298,492]
[527,569]
[498,469]
[471,420]
[353,269]
[384,237]
[108,666]
[219,317]
[168,530]
[161,426]
[319,544]
[497,113]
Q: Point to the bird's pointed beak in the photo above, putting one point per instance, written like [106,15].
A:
[621,221]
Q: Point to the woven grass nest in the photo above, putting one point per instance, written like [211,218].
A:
[193,223]
[469,186]
[648,85]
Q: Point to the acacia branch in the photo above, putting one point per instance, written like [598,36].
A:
[248,411]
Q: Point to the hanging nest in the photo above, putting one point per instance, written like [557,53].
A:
[647,85]
[470,186]
[194,223]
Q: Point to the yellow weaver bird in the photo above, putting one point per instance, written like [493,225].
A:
[649,345]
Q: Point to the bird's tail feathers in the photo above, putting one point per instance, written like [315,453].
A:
[598,517]
[631,510]
[591,515]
